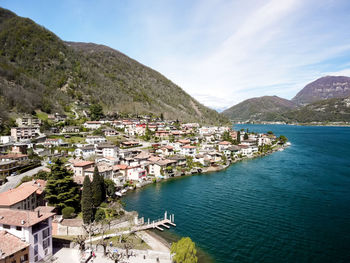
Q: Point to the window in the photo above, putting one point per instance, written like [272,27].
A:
[6,226]
[35,238]
[18,228]
[24,258]
[46,243]
[36,258]
[46,233]
[35,250]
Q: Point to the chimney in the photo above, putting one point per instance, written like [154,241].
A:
[22,222]
[38,213]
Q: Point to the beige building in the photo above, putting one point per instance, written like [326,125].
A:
[23,197]
[8,167]
[32,227]
[13,249]
[24,133]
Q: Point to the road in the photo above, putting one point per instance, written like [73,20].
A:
[13,181]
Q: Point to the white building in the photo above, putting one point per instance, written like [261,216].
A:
[93,125]
[106,150]
[188,150]
[95,139]
[33,227]
[85,151]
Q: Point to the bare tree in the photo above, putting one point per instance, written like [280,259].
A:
[80,240]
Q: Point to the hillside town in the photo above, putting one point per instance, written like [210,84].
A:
[126,153]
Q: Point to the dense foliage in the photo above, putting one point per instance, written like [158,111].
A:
[98,188]
[87,201]
[61,190]
[185,251]
[35,61]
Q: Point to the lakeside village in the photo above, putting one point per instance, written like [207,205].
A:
[61,184]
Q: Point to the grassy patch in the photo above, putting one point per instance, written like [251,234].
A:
[133,240]
[41,115]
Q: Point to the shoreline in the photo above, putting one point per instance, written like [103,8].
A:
[156,241]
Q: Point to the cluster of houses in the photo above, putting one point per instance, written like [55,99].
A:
[172,149]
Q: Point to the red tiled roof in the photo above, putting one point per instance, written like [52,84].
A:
[189,147]
[224,143]
[83,163]
[121,166]
[13,156]
[25,218]
[39,183]
[16,195]
[10,244]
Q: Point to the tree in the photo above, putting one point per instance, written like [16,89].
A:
[96,111]
[245,136]
[110,187]
[162,116]
[185,251]
[68,212]
[87,201]
[100,215]
[283,139]
[98,188]
[61,190]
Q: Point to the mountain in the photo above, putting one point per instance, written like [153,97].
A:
[40,71]
[329,110]
[266,108]
[324,88]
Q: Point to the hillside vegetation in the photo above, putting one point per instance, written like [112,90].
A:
[40,71]
[268,108]
[330,110]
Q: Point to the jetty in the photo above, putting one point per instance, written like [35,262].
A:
[159,224]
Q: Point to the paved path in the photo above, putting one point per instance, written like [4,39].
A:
[72,255]
[13,181]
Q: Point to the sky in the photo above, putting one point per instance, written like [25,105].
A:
[220,52]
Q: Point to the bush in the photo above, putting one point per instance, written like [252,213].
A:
[68,212]
[100,215]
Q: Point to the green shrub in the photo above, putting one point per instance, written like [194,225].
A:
[68,212]
[100,215]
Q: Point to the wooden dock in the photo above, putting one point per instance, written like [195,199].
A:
[159,224]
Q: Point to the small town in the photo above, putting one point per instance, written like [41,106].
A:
[62,184]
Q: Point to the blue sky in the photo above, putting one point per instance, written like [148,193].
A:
[220,52]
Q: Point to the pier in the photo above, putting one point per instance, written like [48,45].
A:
[159,224]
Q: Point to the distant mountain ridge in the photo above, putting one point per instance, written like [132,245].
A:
[323,100]
[40,71]
[268,108]
[327,87]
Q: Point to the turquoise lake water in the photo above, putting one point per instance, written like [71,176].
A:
[291,206]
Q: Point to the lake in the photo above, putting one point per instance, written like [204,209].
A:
[290,206]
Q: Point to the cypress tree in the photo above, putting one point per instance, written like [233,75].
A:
[96,188]
[87,201]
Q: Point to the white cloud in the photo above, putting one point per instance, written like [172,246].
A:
[224,52]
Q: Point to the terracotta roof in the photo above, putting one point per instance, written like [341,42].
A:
[13,156]
[142,155]
[188,147]
[120,166]
[224,143]
[184,141]
[154,159]
[25,218]
[45,209]
[40,184]
[10,244]
[83,163]
[16,195]
[165,162]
